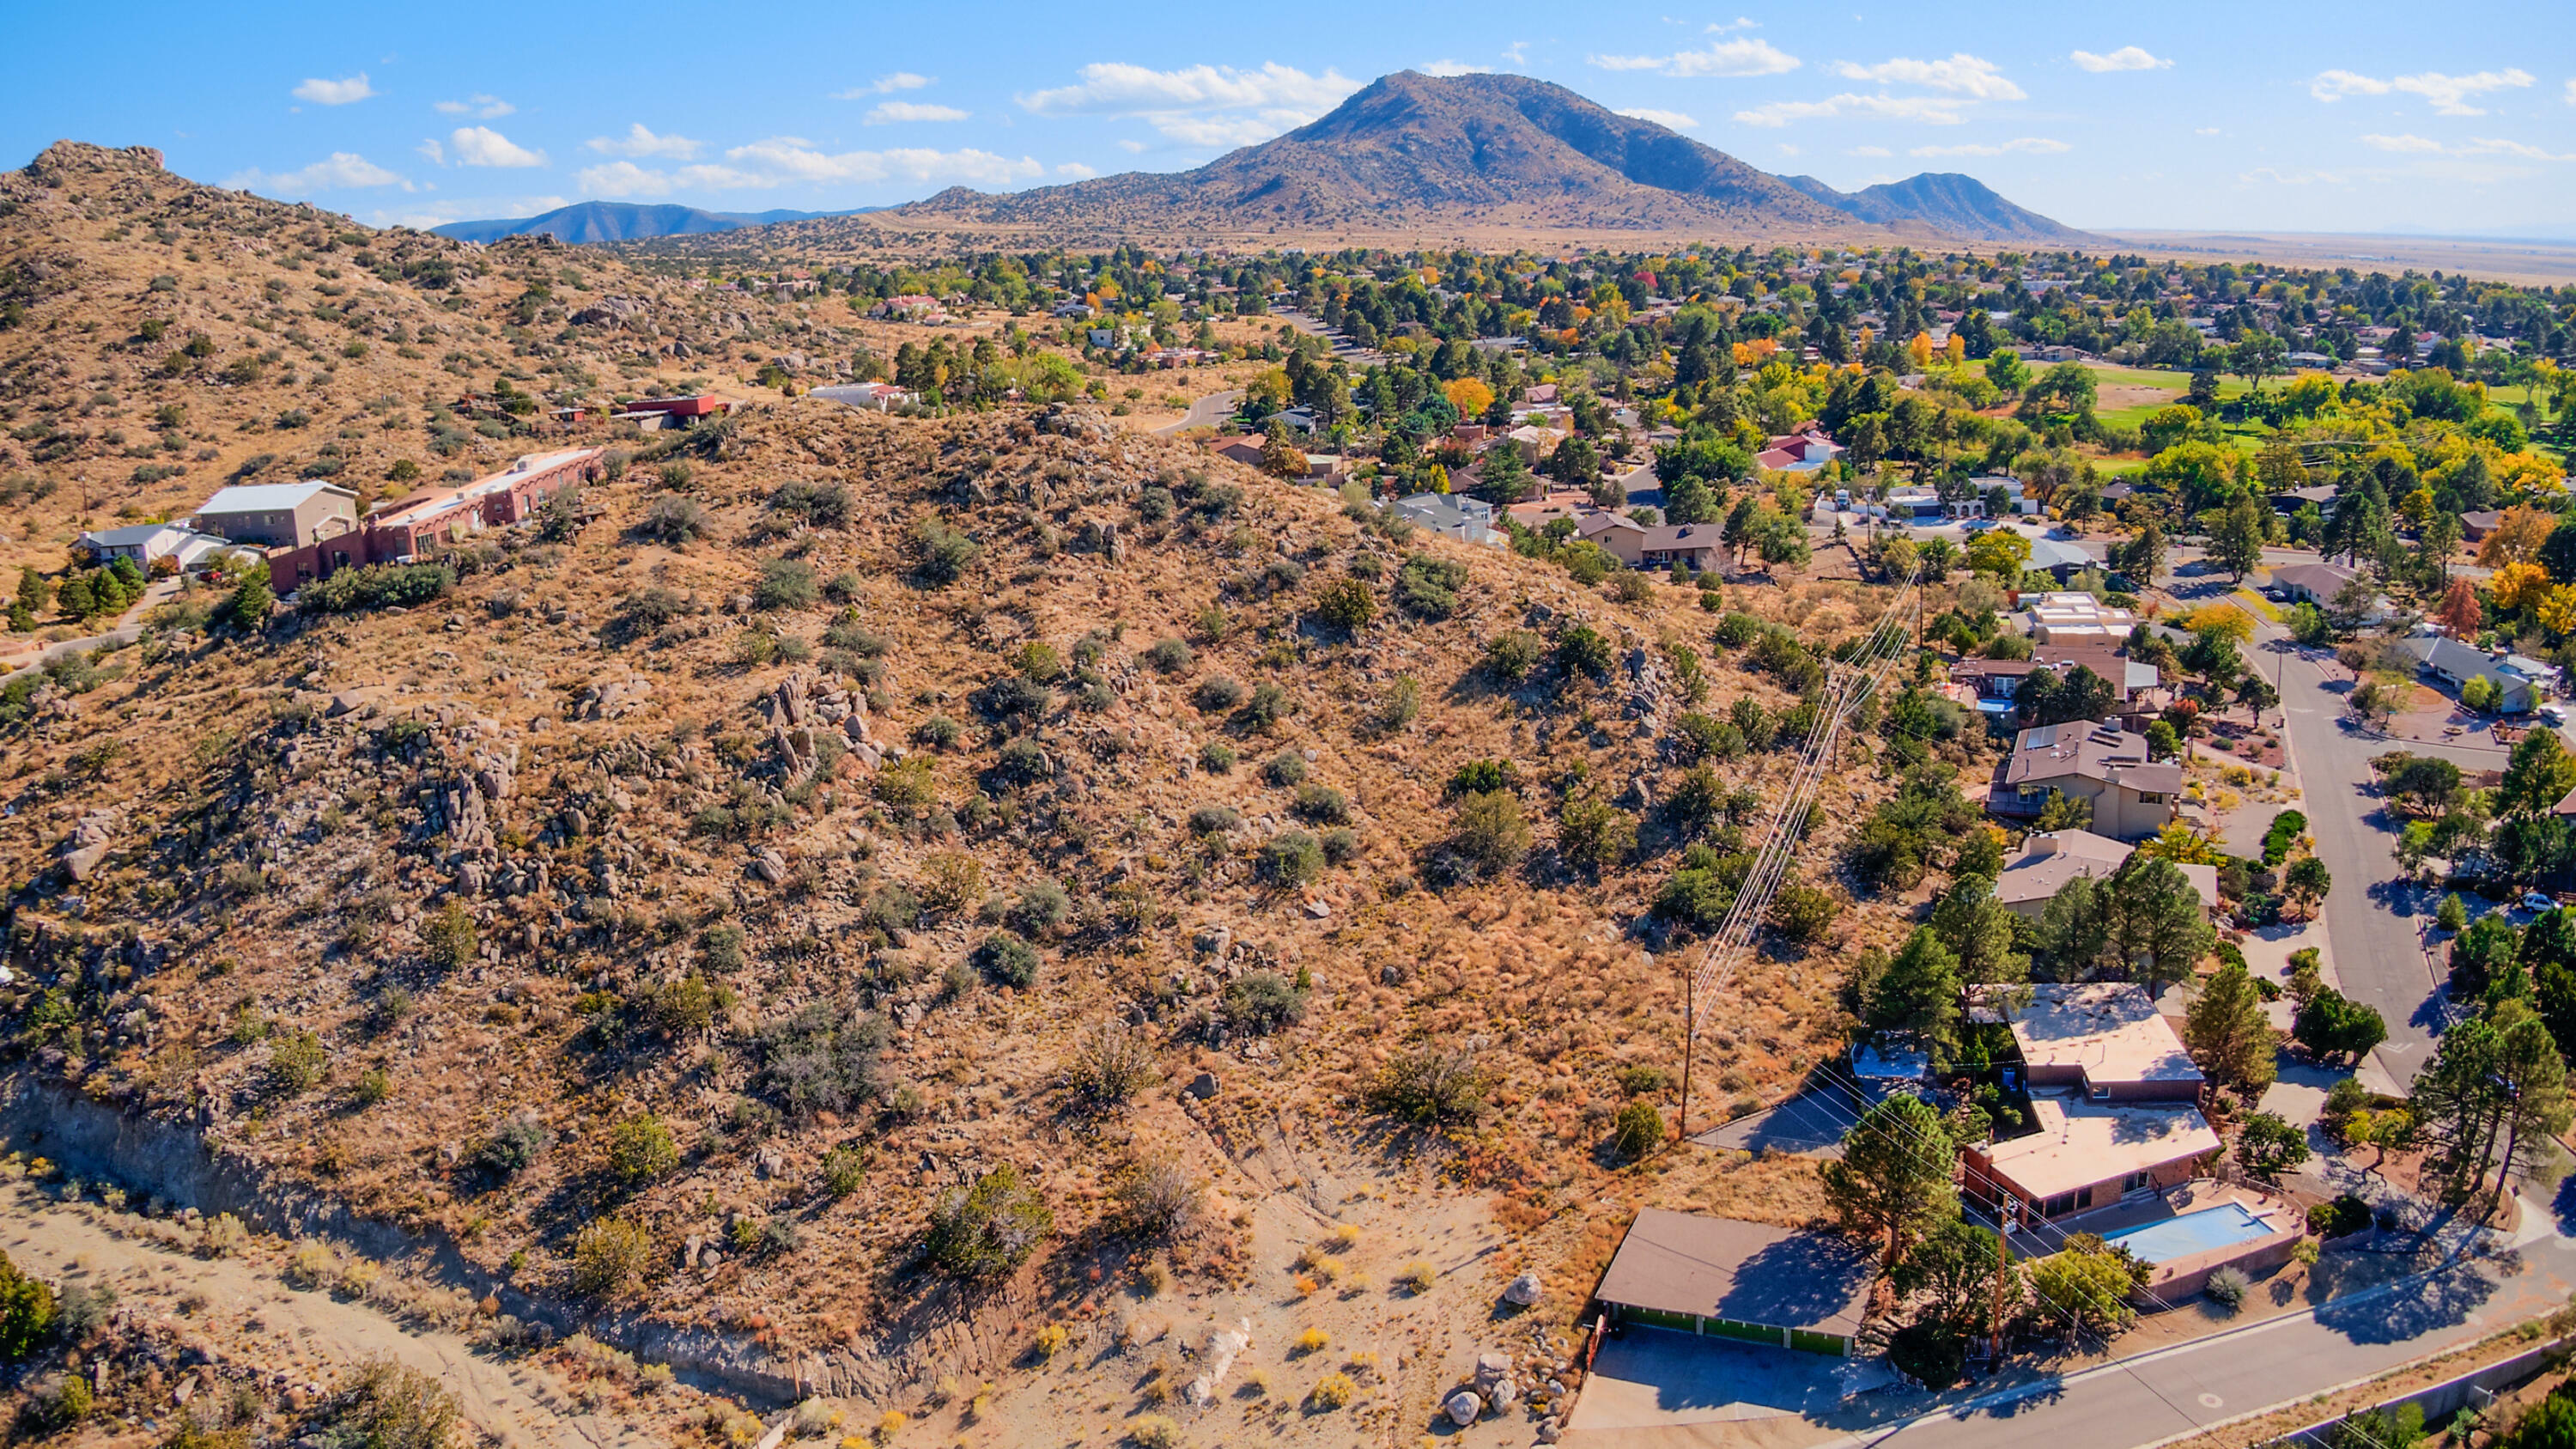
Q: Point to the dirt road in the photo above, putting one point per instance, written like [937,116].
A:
[244,1307]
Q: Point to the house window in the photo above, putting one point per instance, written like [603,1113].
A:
[2134,1182]
[2151,797]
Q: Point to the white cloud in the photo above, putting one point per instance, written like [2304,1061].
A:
[622,178]
[1745,57]
[886,112]
[334,92]
[1962,74]
[2413,145]
[2205,131]
[902,80]
[2449,94]
[1788,150]
[2334,85]
[1076,170]
[483,146]
[2268,176]
[490,108]
[1924,110]
[2571,92]
[1720,27]
[2035,145]
[1131,147]
[641,142]
[1669,120]
[436,153]
[1869,151]
[2127,57]
[1445,68]
[439,213]
[344,170]
[1199,105]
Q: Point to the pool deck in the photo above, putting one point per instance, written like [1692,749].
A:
[2177,1278]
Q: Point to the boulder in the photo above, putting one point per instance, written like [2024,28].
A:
[1522,1291]
[1492,1367]
[1549,1430]
[1464,1408]
[1202,1087]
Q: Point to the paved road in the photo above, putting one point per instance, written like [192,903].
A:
[2374,921]
[129,628]
[2144,1399]
[1207,412]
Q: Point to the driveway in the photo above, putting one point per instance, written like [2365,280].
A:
[1648,1378]
[1207,412]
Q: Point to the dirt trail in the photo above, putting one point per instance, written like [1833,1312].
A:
[251,1315]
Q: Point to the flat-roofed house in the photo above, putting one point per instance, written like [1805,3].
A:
[2089,1154]
[2103,1039]
[413,526]
[149,543]
[2313,583]
[2050,859]
[2102,763]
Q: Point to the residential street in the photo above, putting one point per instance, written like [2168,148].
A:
[2374,923]
[2144,1399]
[1207,412]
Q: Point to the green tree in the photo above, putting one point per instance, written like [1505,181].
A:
[1954,1270]
[2269,1145]
[2306,882]
[26,1313]
[1895,1181]
[2087,1288]
[2158,920]
[1979,930]
[1919,994]
[2331,1025]
[2230,1038]
[2540,774]
[2236,536]
[2007,371]
[640,1150]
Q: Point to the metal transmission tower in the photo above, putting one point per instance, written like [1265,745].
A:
[1849,682]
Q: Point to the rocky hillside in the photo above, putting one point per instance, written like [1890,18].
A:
[864,804]
[160,338]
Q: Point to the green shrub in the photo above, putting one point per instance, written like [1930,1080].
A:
[610,1257]
[512,1147]
[1511,656]
[1217,758]
[296,1063]
[376,586]
[1285,768]
[1291,858]
[786,583]
[1637,1130]
[640,1150]
[821,1058]
[985,1231]
[1007,959]
[1264,1001]
[1217,694]
[845,1168]
[1582,650]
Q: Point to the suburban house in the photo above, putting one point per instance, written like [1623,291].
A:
[2522,683]
[2134,684]
[656,414]
[2315,583]
[2291,500]
[149,543]
[409,527]
[1470,520]
[2088,1154]
[1750,1282]
[2103,1040]
[1538,513]
[1806,451]
[1697,545]
[2050,859]
[2071,618]
[881,396]
[2058,559]
[279,515]
[2475,526]
[2102,763]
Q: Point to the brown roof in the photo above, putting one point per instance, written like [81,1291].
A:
[2080,1143]
[1745,1272]
[2102,752]
[2051,860]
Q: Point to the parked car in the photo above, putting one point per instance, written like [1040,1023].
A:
[2537,901]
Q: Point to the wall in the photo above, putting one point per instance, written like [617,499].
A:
[2442,1400]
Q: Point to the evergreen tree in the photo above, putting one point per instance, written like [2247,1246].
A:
[2236,537]
[1919,994]
[251,602]
[2158,920]
[2229,1036]
[1978,929]
[1895,1179]
[2538,777]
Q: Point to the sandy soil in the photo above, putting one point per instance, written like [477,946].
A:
[243,1306]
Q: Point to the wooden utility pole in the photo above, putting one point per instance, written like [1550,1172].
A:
[2003,1271]
[1690,1041]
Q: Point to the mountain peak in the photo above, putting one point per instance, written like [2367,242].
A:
[1484,149]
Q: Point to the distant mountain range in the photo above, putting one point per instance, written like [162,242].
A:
[1500,150]
[612,221]
[1945,201]
[1407,151]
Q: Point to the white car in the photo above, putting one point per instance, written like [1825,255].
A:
[2537,901]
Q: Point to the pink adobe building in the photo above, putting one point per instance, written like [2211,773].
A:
[412,527]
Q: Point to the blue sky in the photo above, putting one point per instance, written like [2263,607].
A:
[2354,117]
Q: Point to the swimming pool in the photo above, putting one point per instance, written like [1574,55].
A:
[2193,1232]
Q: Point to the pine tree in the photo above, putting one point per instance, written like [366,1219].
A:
[2229,1036]
[251,602]
[1919,993]
[1895,1177]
